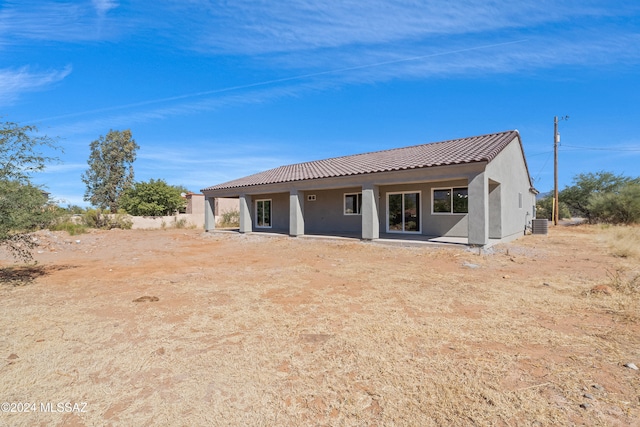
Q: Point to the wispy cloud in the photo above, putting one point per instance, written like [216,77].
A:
[57,21]
[104,6]
[264,27]
[64,168]
[14,82]
[309,45]
[373,65]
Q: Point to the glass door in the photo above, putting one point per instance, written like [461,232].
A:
[263,213]
[403,212]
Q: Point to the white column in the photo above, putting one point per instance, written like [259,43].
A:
[296,213]
[245,214]
[479,210]
[370,212]
[209,214]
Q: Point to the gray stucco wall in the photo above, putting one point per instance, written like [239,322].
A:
[508,168]
[279,212]
[451,225]
[326,213]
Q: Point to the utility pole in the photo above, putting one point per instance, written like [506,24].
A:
[556,140]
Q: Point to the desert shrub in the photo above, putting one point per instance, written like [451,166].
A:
[74,209]
[623,241]
[626,295]
[621,207]
[180,223]
[230,219]
[604,197]
[97,218]
[69,225]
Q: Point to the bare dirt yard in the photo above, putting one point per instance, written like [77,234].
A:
[185,328]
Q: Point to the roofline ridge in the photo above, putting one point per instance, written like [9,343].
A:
[321,162]
[399,148]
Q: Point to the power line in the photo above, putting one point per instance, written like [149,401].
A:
[543,166]
[601,148]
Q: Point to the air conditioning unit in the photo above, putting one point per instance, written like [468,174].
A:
[540,226]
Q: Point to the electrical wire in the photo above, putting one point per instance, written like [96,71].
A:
[537,177]
[600,148]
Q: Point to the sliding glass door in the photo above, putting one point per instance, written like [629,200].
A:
[403,212]
[263,213]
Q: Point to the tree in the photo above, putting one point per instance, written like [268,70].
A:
[153,198]
[622,207]
[19,152]
[544,209]
[597,196]
[23,206]
[110,170]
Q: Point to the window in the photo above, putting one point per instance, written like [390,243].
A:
[263,213]
[403,212]
[451,200]
[352,203]
[520,200]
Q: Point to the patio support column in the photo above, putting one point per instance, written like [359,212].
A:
[370,212]
[296,214]
[479,210]
[209,214]
[245,214]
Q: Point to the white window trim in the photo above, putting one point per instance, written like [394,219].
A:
[420,212]
[433,190]
[270,213]
[344,203]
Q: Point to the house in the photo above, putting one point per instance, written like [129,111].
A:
[473,189]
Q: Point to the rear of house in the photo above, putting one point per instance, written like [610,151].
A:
[473,189]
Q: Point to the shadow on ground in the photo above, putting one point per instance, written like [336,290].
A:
[27,274]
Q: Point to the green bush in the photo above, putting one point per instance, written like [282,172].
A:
[622,207]
[70,226]
[97,218]
[153,198]
[230,219]
[604,197]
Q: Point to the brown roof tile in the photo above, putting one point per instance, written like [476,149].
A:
[482,148]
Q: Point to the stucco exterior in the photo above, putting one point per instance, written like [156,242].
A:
[498,194]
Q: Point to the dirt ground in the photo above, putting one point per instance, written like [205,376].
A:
[185,328]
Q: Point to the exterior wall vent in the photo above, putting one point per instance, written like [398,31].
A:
[311,198]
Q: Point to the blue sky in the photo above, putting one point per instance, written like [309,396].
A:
[216,90]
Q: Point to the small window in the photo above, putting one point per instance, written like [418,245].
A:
[352,203]
[451,200]
[520,200]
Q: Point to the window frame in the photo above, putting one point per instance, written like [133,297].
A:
[358,204]
[451,204]
[257,221]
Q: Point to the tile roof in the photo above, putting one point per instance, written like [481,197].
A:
[482,148]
